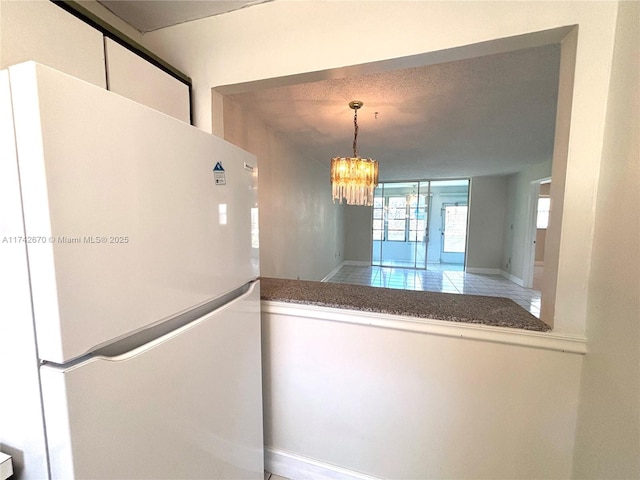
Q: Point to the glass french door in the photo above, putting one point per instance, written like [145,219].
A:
[401,224]
[403,219]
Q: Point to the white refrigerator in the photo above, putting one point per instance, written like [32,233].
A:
[130,310]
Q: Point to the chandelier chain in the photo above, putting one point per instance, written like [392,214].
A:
[355,133]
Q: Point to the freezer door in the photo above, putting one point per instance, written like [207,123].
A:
[187,405]
[126,221]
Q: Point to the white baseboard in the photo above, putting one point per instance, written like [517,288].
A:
[297,467]
[496,271]
[346,262]
[357,263]
[332,272]
[513,278]
[485,271]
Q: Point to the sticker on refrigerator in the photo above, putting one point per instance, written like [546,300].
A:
[218,174]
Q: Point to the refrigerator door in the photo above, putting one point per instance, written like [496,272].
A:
[126,221]
[187,405]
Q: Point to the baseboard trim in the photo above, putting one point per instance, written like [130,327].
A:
[485,271]
[496,271]
[357,263]
[513,278]
[332,272]
[346,262]
[293,466]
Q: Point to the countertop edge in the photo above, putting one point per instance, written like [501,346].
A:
[511,336]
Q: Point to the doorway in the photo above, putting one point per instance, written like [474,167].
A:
[453,232]
[420,224]
[540,200]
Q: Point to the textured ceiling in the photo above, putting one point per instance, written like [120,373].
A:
[486,115]
[482,116]
[148,15]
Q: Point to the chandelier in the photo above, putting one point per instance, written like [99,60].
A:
[353,178]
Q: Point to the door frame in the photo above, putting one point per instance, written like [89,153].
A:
[443,216]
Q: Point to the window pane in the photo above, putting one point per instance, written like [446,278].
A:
[396,224]
[398,202]
[416,225]
[377,224]
[396,235]
[377,234]
[544,206]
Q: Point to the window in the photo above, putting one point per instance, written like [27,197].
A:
[417,218]
[378,218]
[397,219]
[544,206]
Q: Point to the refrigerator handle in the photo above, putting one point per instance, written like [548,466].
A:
[146,339]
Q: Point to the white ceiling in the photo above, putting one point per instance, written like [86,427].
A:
[148,15]
[486,115]
[482,116]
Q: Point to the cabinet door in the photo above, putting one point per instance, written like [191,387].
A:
[134,77]
[45,33]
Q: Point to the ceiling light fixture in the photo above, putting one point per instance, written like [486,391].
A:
[353,178]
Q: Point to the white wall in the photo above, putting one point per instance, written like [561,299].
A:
[301,230]
[221,50]
[45,33]
[487,207]
[608,436]
[357,233]
[518,215]
[405,405]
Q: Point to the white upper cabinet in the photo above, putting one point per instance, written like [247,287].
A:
[44,32]
[133,77]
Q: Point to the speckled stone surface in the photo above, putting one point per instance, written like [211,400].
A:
[494,311]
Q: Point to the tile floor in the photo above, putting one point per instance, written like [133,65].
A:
[440,278]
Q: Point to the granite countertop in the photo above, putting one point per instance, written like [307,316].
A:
[493,311]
